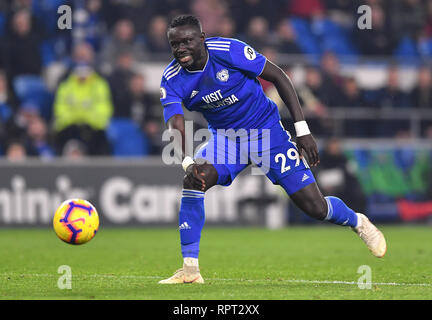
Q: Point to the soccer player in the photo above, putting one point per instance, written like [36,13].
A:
[218,77]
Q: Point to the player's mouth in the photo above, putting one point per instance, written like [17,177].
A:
[185,59]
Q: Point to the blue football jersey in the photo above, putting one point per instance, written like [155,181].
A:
[226,91]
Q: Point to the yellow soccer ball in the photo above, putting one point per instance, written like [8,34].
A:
[76,221]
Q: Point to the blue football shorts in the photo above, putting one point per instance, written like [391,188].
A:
[271,150]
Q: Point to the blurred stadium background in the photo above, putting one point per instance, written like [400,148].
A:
[80,113]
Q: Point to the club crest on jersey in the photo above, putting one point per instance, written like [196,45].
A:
[223,75]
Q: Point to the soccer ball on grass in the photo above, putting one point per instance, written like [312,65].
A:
[76,221]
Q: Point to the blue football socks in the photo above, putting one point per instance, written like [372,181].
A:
[191,222]
[339,213]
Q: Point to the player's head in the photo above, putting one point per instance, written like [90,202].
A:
[186,39]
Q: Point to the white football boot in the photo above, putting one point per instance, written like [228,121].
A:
[371,236]
[187,274]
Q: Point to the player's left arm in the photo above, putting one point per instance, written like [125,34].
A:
[305,141]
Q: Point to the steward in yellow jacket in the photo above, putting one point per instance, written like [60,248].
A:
[81,101]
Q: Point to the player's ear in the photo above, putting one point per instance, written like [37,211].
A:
[202,36]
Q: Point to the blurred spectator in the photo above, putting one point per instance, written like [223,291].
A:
[142,102]
[17,125]
[16,151]
[408,17]
[245,10]
[122,40]
[391,96]
[118,81]
[88,24]
[335,175]
[6,111]
[313,93]
[83,108]
[15,6]
[157,41]
[332,80]
[227,28]
[7,104]
[139,12]
[422,92]
[143,112]
[286,38]
[341,11]
[168,8]
[45,13]
[380,40]
[74,150]
[37,143]
[23,47]
[21,4]
[352,95]
[257,34]
[210,13]
[428,134]
[306,8]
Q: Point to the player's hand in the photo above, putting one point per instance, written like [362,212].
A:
[306,145]
[196,177]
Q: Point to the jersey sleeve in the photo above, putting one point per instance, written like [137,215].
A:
[171,102]
[246,59]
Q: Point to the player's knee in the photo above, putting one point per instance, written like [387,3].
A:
[188,183]
[317,209]
[207,172]
[210,174]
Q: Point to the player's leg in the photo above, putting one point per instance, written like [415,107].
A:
[287,169]
[310,200]
[192,214]
[191,223]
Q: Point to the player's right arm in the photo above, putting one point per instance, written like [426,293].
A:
[177,122]
[174,118]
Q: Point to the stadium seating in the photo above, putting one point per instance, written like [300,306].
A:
[407,52]
[307,41]
[126,138]
[30,89]
[322,36]
[333,37]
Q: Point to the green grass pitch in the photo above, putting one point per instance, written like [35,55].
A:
[293,263]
